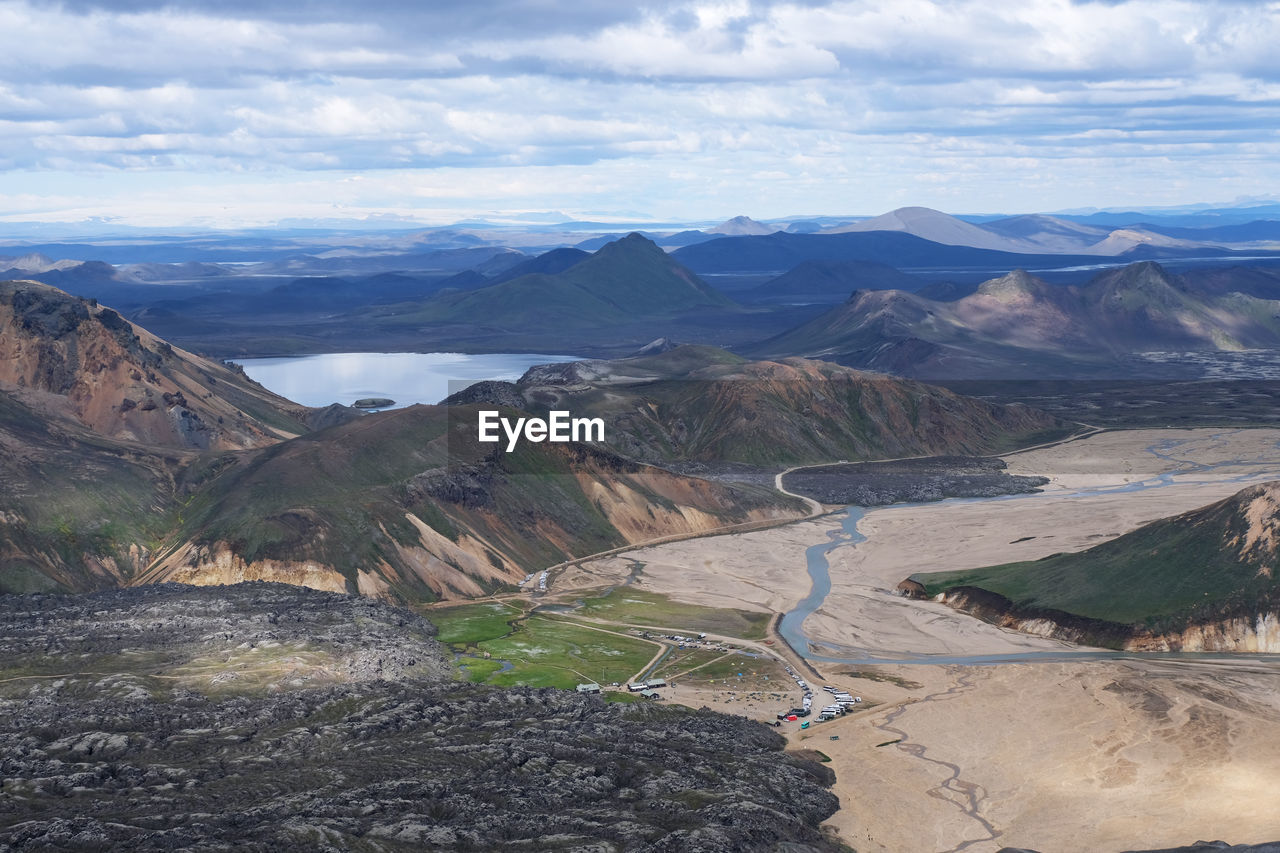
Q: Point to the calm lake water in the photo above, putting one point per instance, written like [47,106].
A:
[406,377]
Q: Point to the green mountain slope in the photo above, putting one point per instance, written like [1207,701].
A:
[627,279]
[1221,561]
[77,511]
[702,404]
[406,504]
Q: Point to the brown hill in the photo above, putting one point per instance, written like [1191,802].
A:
[128,461]
[702,404]
[71,358]
[402,505]
[1020,326]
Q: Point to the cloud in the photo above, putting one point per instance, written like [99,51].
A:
[860,102]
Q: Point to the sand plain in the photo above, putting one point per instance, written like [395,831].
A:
[1065,755]
[1069,756]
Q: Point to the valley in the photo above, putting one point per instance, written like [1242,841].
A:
[704,544]
[682,426]
[1035,730]
[405,506]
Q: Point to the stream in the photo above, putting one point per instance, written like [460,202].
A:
[846,534]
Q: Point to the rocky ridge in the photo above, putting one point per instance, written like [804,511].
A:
[127,751]
[72,358]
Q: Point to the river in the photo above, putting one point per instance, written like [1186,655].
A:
[845,533]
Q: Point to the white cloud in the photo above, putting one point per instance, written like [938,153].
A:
[668,106]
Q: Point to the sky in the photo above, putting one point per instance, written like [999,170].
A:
[228,113]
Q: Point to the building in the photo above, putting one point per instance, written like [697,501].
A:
[589,688]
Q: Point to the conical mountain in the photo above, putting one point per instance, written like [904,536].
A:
[1142,306]
[936,226]
[740,226]
[1018,285]
[625,280]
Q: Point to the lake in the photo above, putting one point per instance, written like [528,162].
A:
[406,377]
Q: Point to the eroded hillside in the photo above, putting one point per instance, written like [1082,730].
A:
[703,404]
[1020,326]
[395,506]
[71,358]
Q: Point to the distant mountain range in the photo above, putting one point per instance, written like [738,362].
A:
[782,251]
[1040,234]
[1018,325]
[130,461]
[943,240]
[732,285]
[627,279]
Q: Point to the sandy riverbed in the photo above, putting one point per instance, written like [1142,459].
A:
[1075,755]
[863,616]
[761,571]
[1097,756]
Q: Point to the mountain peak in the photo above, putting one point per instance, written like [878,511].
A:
[634,240]
[657,347]
[36,263]
[932,225]
[740,226]
[70,357]
[1140,277]
[1017,283]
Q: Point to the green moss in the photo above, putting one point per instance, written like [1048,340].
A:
[553,653]
[469,624]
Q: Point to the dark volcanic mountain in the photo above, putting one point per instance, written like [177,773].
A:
[784,251]
[548,263]
[627,279]
[1018,325]
[1206,580]
[833,281]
